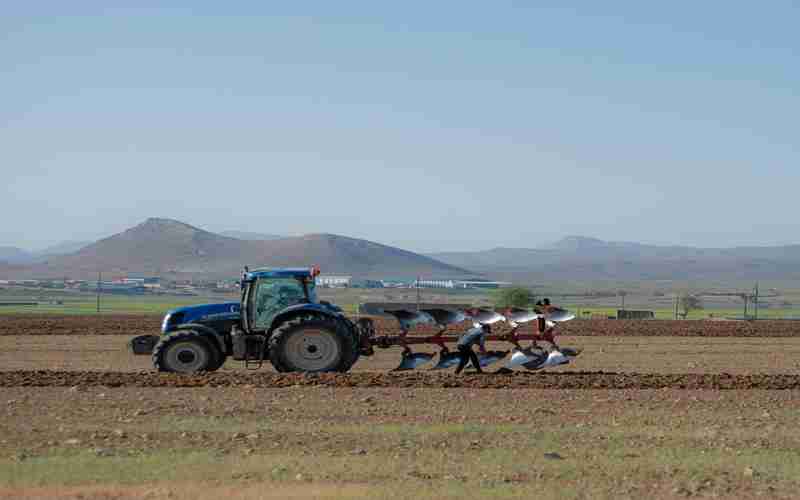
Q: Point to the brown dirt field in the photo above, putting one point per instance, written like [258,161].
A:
[664,417]
[667,355]
[421,380]
[25,324]
[345,442]
[116,324]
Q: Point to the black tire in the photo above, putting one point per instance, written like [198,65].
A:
[220,360]
[350,330]
[186,352]
[313,344]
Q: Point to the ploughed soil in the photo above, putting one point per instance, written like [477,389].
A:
[89,441]
[418,379]
[26,324]
[639,413]
[662,355]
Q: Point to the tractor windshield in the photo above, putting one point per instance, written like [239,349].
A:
[273,295]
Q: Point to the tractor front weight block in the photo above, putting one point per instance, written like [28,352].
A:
[143,344]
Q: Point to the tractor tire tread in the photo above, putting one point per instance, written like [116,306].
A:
[345,335]
[180,335]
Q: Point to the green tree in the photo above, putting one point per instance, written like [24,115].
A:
[689,303]
[513,297]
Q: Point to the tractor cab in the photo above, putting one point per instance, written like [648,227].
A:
[268,293]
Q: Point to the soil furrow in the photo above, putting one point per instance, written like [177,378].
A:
[564,380]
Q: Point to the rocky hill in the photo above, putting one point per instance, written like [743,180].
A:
[171,248]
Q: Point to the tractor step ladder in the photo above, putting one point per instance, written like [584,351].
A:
[259,342]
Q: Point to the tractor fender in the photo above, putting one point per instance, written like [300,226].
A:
[303,310]
[210,333]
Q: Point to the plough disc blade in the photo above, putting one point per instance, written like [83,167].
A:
[409,319]
[555,358]
[413,361]
[491,357]
[485,317]
[526,357]
[559,315]
[570,352]
[447,360]
[521,316]
[445,317]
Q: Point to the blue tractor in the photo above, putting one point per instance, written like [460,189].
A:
[278,319]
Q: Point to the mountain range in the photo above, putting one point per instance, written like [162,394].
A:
[589,259]
[248,236]
[174,249]
[14,255]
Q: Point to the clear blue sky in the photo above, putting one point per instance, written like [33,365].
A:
[429,125]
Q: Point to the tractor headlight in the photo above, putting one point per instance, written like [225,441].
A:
[171,320]
[165,323]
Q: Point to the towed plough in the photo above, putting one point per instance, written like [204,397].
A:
[280,320]
[533,357]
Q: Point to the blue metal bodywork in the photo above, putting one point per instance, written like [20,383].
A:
[291,272]
[324,308]
[200,314]
[223,314]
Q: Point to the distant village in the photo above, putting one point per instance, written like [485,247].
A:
[140,285]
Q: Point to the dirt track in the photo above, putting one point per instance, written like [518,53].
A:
[118,324]
[143,324]
[564,380]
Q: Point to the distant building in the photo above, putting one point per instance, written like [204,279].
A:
[433,284]
[334,281]
[394,284]
[482,284]
[628,314]
[113,287]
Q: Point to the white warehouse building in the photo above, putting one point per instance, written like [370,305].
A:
[333,281]
[433,284]
[442,283]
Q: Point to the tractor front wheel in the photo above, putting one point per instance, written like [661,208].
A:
[185,352]
[312,344]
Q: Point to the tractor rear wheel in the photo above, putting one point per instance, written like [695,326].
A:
[313,344]
[185,352]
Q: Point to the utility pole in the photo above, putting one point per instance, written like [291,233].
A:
[755,301]
[418,292]
[99,280]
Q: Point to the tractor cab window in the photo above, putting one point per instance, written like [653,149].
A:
[312,290]
[274,295]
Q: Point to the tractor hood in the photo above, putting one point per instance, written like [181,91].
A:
[203,312]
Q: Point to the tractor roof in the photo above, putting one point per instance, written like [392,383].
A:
[285,272]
